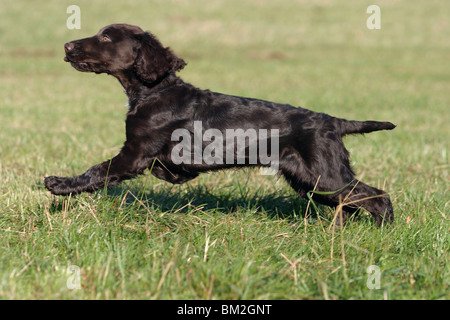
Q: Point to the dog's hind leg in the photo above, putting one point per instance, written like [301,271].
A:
[374,200]
[349,197]
[356,195]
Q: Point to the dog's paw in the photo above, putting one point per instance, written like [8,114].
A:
[58,185]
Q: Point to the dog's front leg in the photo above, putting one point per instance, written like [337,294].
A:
[126,165]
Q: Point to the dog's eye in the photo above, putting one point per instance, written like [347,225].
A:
[105,38]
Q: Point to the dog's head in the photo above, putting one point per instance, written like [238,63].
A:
[122,47]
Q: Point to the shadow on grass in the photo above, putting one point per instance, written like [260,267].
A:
[169,199]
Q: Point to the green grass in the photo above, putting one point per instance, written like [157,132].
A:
[228,235]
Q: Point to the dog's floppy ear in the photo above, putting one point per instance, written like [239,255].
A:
[153,61]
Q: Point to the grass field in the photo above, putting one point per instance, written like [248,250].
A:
[229,235]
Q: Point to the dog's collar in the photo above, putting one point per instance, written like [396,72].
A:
[158,81]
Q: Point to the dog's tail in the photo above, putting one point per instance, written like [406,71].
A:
[351,127]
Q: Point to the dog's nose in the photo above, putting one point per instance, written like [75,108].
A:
[68,46]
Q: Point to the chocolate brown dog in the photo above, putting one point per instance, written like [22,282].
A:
[310,152]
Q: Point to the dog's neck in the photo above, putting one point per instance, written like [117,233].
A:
[137,90]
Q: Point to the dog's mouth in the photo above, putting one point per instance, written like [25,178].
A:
[79,65]
[84,66]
